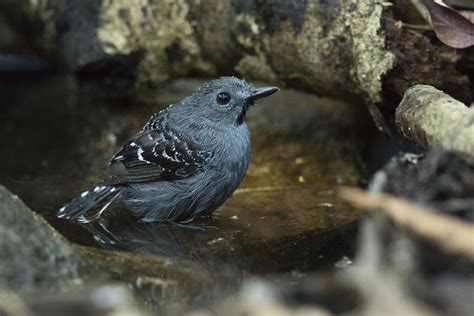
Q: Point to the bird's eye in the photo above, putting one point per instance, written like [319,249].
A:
[223,98]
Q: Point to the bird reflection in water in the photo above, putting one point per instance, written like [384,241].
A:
[206,248]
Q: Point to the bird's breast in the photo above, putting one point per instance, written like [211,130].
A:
[229,144]
[235,157]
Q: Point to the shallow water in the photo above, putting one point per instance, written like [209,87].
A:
[56,139]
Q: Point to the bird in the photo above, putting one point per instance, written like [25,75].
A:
[183,164]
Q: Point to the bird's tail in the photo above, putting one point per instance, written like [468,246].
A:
[85,208]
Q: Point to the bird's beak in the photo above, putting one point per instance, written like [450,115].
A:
[262,92]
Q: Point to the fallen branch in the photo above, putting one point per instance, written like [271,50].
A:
[432,118]
[452,235]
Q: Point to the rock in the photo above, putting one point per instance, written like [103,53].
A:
[152,42]
[34,256]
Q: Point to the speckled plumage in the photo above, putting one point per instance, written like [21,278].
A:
[184,163]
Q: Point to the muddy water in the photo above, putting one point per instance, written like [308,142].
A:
[56,139]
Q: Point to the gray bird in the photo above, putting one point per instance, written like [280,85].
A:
[184,163]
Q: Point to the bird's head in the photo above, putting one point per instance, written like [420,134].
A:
[227,99]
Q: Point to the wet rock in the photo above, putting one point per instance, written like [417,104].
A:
[34,256]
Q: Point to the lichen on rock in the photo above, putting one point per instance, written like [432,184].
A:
[334,53]
[160,31]
[333,48]
[371,59]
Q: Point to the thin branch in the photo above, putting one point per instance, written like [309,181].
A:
[400,24]
[451,234]
[379,120]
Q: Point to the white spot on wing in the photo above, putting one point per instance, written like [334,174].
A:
[164,154]
[139,154]
[84,193]
[99,188]
[140,157]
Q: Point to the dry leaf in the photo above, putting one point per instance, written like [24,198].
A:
[450,27]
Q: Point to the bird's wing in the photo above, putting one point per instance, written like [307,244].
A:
[156,155]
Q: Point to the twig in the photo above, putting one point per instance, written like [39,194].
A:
[379,120]
[420,5]
[400,24]
[453,235]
